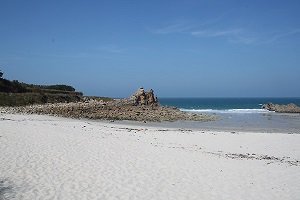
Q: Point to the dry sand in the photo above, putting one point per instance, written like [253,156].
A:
[43,157]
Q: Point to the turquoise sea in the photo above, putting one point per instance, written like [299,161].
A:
[237,114]
[223,105]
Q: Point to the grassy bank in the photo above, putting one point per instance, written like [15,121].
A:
[21,99]
[15,93]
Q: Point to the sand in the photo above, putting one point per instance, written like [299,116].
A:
[43,157]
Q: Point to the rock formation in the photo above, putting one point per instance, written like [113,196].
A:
[111,110]
[142,106]
[143,98]
[289,108]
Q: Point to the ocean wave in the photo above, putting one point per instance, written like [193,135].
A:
[226,110]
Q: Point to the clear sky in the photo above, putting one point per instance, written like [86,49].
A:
[196,48]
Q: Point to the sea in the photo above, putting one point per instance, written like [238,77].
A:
[240,114]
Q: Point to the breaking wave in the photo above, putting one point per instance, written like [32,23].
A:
[242,111]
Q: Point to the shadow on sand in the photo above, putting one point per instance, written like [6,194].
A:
[6,189]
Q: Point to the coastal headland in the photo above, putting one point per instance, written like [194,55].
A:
[141,106]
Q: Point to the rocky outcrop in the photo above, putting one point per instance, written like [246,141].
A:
[109,111]
[140,97]
[142,106]
[289,108]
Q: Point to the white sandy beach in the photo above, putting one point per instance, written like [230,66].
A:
[43,157]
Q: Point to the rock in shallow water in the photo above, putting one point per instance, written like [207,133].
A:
[289,108]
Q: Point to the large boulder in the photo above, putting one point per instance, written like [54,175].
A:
[140,97]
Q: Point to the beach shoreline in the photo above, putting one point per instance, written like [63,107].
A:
[61,158]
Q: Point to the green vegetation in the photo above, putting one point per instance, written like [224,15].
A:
[15,93]
[17,87]
[50,87]
[11,86]
[21,99]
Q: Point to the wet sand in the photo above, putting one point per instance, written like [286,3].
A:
[247,122]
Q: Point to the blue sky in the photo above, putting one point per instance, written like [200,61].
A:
[212,48]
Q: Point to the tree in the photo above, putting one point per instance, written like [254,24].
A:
[1,74]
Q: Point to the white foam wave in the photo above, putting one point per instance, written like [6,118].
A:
[227,110]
